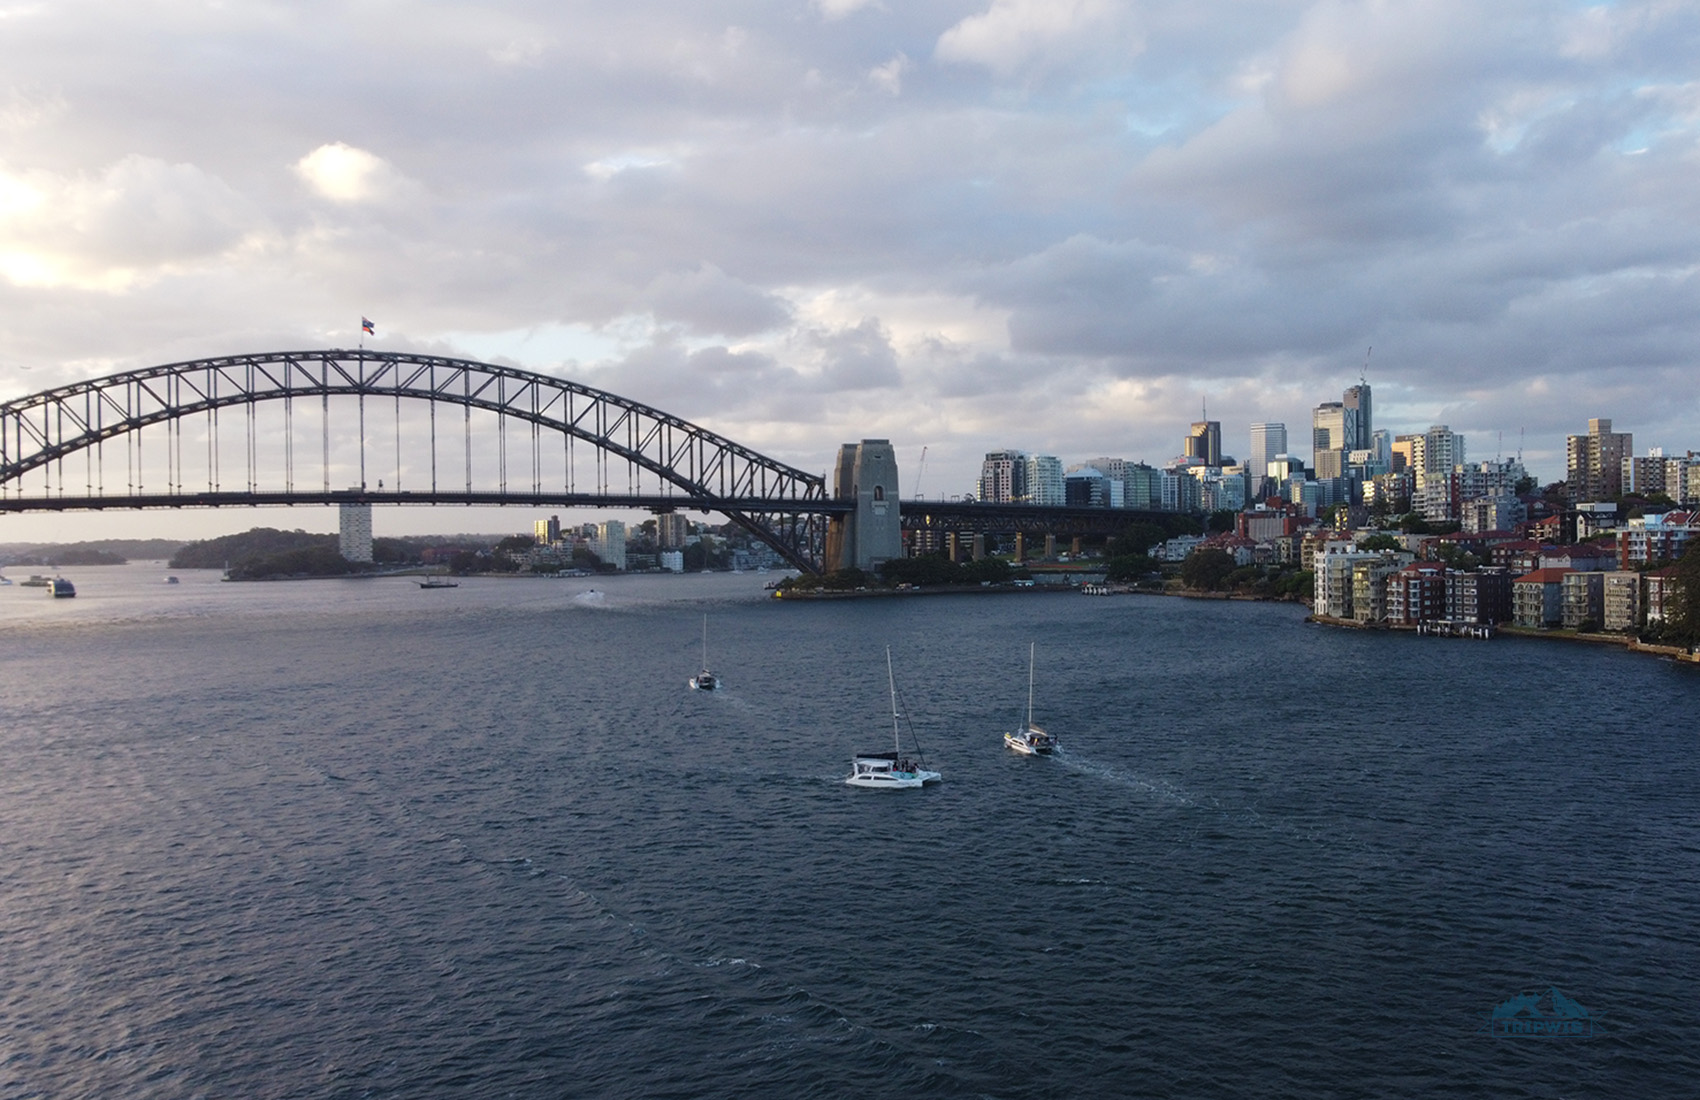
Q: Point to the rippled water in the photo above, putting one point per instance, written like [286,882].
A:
[350,838]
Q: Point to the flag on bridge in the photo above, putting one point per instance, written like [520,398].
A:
[367,326]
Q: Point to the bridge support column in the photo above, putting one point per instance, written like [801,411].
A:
[1074,548]
[979,547]
[1020,547]
[873,533]
[1050,548]
[953,547]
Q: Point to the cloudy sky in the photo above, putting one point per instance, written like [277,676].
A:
[1057,225]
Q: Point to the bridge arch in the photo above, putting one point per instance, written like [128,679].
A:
[668,463]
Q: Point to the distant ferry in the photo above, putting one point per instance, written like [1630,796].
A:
[62,588]
[37,580]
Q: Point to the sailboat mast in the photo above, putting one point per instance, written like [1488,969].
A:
[705,641]
[1030,685]
[891,682]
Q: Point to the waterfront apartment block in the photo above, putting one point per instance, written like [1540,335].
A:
[1582,600]
[1483,596]
[1416,594]
[1371,584]
[1623,601]
[1537,599]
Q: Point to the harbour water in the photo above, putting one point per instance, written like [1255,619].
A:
[356,839]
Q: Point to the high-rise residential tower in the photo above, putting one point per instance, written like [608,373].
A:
[1003,477]
[1595,461]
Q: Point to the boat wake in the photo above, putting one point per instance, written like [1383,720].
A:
[1164,792]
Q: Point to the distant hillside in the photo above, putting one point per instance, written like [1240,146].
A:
[217,553]
[94,552]
[268,552]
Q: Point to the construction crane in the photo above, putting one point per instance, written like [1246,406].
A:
[919,471]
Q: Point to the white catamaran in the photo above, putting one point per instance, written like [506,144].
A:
[704,680]
[1030,739]
[891,770]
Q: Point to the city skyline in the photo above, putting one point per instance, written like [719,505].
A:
[961,226]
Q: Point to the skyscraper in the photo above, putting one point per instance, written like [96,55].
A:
[1327,429]
[1267,441]
[1359,432]
[1204,442]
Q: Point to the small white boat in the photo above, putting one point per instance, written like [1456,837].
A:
[1030,739]
[704,680]
[171,580]
[4,581]
[891,771]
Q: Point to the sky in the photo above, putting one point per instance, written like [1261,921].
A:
[1062,226]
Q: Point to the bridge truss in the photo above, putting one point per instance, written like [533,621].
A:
[320,426]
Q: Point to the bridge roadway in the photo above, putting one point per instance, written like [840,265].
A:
[648,502]
[963,517]
[980,517]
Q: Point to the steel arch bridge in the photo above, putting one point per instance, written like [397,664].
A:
[464,432]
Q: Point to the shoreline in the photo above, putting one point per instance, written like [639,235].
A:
[1626,642]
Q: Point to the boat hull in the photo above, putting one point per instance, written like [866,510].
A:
[887,772]
[1030,742]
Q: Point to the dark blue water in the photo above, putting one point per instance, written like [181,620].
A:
[353,839]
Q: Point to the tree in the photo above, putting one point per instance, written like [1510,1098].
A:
[1682,606]
[1380,542]
[1413,523]
[1130,567]
[1206,569]
[1135,539]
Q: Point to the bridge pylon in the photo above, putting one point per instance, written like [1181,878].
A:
[872,534]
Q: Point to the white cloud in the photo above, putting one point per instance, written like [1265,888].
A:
[345,174]
[128,223]
[888,77]
[519,53]
[838,9]
[1012,33]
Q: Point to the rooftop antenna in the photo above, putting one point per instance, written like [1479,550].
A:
[1362,379]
